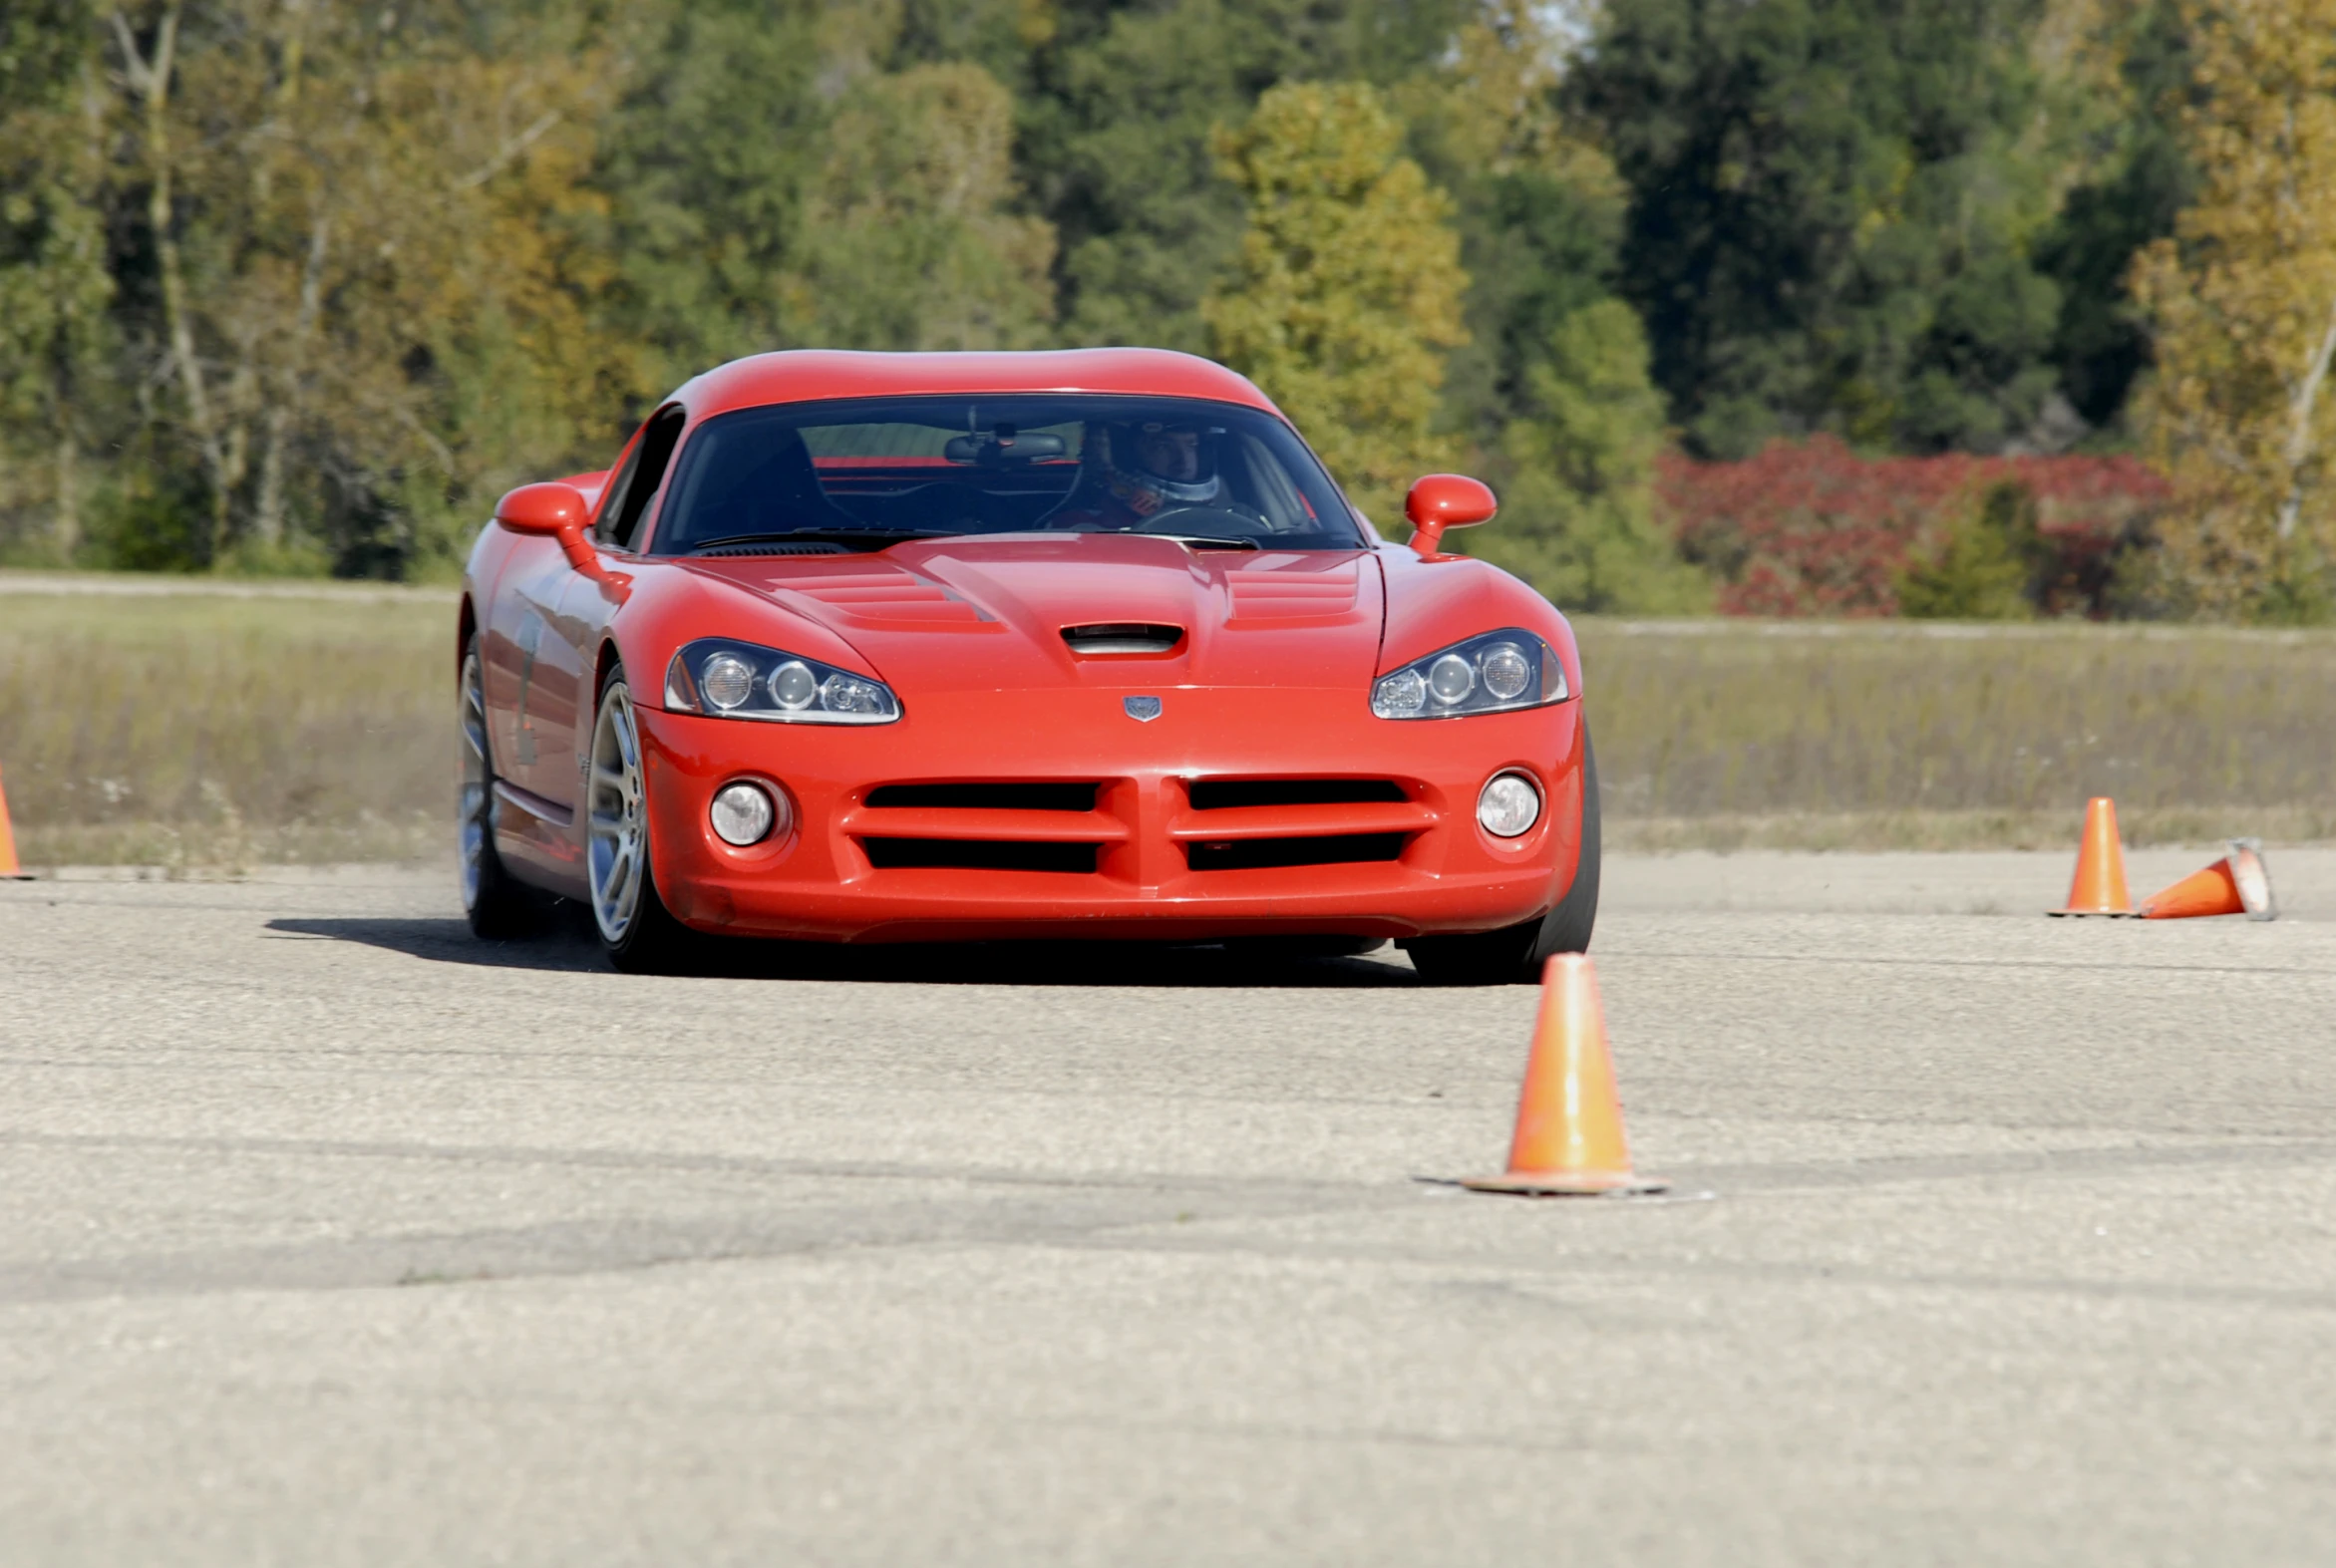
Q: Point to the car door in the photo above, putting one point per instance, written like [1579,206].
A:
[531,579]
[576,617]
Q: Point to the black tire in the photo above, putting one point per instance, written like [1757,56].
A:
[497,905]
[637,932]
[1515,955]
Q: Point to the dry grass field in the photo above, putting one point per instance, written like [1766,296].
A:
[197,732]
[1912,734]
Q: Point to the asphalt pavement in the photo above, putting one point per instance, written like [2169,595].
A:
[329,1235]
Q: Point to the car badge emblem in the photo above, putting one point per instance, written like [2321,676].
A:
[1141,709]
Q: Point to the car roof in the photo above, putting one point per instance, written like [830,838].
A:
[801,375]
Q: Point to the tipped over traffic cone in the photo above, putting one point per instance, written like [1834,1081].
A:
[9,870]
[1569,1125]
[2099,888]
[2237,885]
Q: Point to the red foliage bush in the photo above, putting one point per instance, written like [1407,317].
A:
[1812,528]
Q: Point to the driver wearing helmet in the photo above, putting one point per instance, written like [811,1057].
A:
[1140,469]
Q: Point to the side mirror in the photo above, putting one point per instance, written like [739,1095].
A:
[1446,500]
[556,511]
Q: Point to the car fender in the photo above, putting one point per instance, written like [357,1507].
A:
[1434,603]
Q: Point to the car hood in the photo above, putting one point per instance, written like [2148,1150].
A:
[989,613]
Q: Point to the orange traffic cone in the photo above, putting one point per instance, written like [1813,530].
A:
[9,870]
[1568,1126]
[2099,888]
[2237,885]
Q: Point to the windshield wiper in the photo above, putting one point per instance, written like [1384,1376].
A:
[826,535]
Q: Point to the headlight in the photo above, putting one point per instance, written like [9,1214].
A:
[1499,672]
[737,680]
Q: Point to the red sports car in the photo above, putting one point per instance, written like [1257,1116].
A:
[900,647]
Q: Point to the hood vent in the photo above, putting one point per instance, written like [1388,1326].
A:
[775,548]
[1105,637]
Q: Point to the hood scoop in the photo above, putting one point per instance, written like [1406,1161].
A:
[1123,637]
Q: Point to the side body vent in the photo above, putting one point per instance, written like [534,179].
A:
[1107,637]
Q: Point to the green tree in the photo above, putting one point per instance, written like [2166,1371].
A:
[796,176]
[2119,71]
[1118,106]
[1349,285]
[1551,392]
[705,163]
[1832,204]
[1987,566]
[53,284]
[1575,472]
[911,237]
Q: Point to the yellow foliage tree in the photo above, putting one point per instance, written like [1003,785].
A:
[2243,302]
[1349,285]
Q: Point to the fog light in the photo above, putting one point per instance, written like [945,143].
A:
[743,815]
[1509,806]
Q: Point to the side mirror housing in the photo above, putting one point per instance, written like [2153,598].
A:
[1446,500]
[556,511]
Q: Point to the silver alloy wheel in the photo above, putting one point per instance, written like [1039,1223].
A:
[617,849]
[478,779]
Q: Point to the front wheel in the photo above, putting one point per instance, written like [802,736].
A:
[637,931]
[1515,955]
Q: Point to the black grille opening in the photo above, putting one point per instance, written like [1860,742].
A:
[1224,795]
[1123,637]
[985,797]
[977,854]
[1255,854]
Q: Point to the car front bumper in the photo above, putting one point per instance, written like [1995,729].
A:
[1144,855]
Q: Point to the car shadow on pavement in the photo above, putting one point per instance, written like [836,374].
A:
[566,944]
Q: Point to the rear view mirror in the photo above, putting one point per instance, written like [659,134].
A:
[1446,500]
[1002,445]
[553,511]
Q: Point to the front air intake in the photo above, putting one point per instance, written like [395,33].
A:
[1228,794]
[1124,637]
[978,854]
[1261,854]
[985,797]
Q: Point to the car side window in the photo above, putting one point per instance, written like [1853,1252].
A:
[643,473]
[612,498]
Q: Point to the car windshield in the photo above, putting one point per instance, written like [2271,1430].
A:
[884,468]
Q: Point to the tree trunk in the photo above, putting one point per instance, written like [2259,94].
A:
[267,523]
[66,531]
[152,81]
[2299,425]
